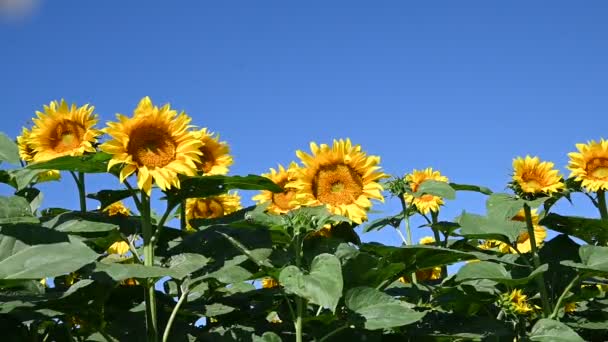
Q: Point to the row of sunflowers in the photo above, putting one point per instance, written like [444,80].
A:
[291,267]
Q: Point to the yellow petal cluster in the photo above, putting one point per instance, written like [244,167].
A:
[119,247]
[117,208]
[155,144]
[342,177]
[534,177]
[281,202]
[425,203]
[211,207]
[524,244]
[518,302]
[590,165]
[269,283]
[215,156]
[60,130]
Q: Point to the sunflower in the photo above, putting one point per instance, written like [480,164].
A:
[117,208]
[341,176]
[426,274]
[427,240]
[27,154]
[155,143]
[269,283]
[281,202]
[570,307]
[524,244]
[211,207]
[118,247]
[517,302]
[533,177]
[63,130]
[590,165]
[425,203]
[215,157]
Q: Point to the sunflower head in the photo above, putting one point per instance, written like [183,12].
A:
[62,130]
[517,302]
[524,244]
[117,208]
[570,307]
[269,283]
[27,154]
[118,247]
[424,275]
[427,240]
[425,203]
[590,165]
[215,155]
[281,202]
[341,177]
[26,151]
[155,144]
[211,207]
[531,177]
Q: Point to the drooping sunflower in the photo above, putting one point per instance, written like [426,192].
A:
[590,165]
[281,202]
[63,130]
[524,244]
[215,158]
[425,203]
[342,177]
[117,208]
[155,144]
[426,274]
[27,154]
[533,177]
[211,207]
[119,247]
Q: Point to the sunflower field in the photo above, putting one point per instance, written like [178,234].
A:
[292,267]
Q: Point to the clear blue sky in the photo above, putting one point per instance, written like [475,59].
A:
[463,86]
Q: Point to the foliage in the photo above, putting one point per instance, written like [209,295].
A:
[59,282]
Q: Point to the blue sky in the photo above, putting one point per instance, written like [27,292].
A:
[462,86]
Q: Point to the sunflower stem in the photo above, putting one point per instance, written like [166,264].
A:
[182,215]
[299,300]
[150,294]
[408,230]
[181,300]
[601,204]
[435,219]
[561,298]
[540,280]
[79,179]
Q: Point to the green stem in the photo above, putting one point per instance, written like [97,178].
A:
[601,204]
[82,196]
[150,294]
[332,333]
[181,300]
[299,300]
[408,230]
[540,280]
[182,216]
[160,225]
[435,219]
[561,298]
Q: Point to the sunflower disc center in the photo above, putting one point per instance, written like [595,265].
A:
[283,199]
[207,160]
[208,209]
[151,147]
[337,184]
[599,168]
[67,136]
